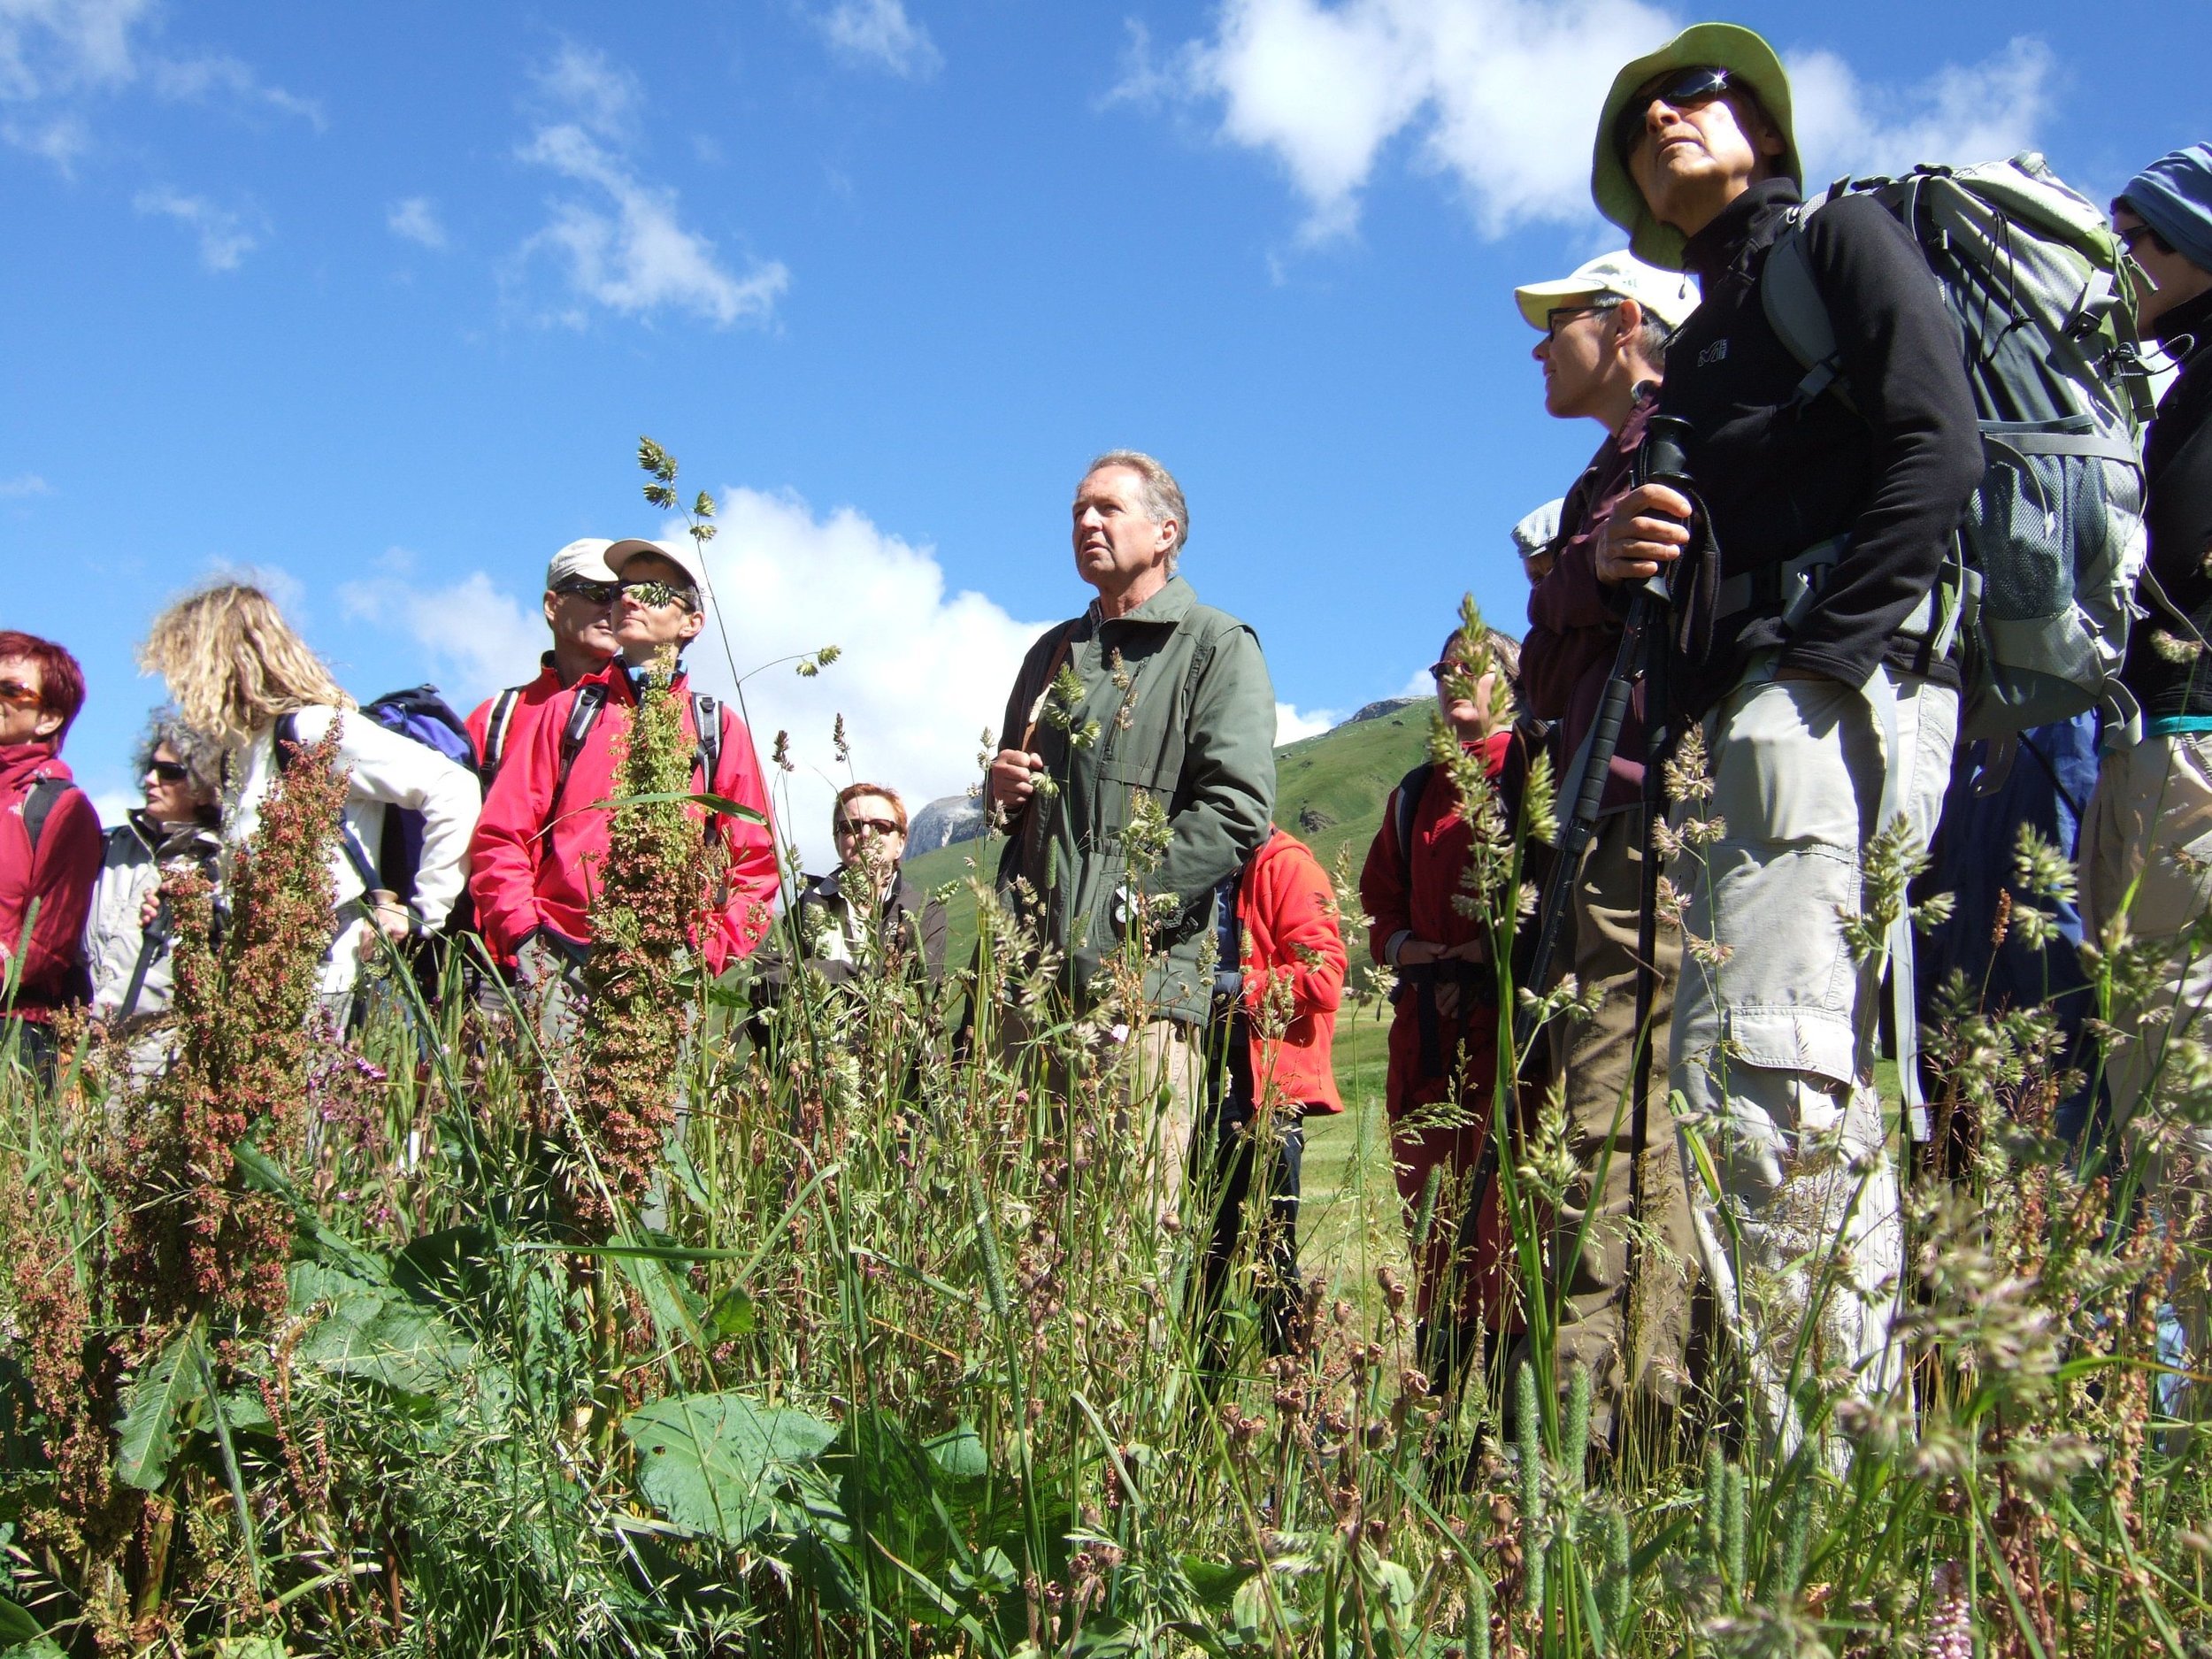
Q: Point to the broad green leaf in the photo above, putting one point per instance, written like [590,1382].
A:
[959,1453]
[734,1314]
[713,1462]
[251,1648]
[160,1395]
[17,1626]
[397,1344]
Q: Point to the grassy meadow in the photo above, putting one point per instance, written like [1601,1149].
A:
[841,1328]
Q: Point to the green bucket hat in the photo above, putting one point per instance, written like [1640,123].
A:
[1715,45]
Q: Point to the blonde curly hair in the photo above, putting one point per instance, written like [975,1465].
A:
[234,663]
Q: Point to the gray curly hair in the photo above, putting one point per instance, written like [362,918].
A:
[199,755]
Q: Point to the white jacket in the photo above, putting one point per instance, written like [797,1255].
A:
[129,873]
[385,769]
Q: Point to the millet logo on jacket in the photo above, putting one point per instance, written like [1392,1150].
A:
[1712,354]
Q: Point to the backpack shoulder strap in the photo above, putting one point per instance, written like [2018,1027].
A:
[706,721]
[495,730]
[583,714]
[284,740]
[1411,787]
[39,801]
[1794,310]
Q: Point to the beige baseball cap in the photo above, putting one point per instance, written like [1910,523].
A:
[685,559]
[1669,296]
[587,558]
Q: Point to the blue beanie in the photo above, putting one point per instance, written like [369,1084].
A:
[2173,196]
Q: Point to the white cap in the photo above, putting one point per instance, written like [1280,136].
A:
[1669,296]
[587,558]
[1539,530]
[685,559]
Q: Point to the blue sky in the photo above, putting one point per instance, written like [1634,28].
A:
[376,300]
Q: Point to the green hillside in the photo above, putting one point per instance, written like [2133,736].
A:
[1329,793]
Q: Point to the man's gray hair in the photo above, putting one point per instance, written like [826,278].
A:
[1162,496]
[1652,339]
[199,756]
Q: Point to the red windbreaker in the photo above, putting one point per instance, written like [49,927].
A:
[1287,910]
[58,875]
[534,860]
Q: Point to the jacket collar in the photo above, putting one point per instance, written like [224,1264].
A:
[1746,225]
[1165,608]
[21,764]
[622,682]
[2192,319]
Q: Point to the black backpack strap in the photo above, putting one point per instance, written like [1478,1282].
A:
[706,719]
[583,714]
[39,801]
[495,730]
[285,740]
[1411,787]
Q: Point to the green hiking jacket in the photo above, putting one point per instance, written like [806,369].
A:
[1194,726]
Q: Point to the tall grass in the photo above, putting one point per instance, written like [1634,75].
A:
[910,1366]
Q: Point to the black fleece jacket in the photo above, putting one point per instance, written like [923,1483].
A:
[1777,479]
[2167,670]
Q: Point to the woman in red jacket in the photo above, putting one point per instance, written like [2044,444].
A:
[1280,980]
[1442,1079]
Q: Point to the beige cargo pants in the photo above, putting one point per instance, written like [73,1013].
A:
[1773,1040]
[2146,853]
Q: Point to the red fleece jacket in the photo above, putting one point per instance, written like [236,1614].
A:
[535,860]
[58,876]
[1288,913]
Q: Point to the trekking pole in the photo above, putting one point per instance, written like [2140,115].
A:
[1662,458]
[152,940]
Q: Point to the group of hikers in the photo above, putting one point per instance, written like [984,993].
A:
[1772,562]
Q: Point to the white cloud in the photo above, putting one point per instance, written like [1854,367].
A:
[416,221]
[53,47]
[57,56]
[590,88]
[923,670]
[1290,724]
[879,32]
[639,258]
[199,80]
[1976,112]
[114,805]
[22,485]
[478,638]
[1502,96]
[225,237]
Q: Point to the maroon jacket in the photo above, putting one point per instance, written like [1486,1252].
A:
[1573,629]
[58,875]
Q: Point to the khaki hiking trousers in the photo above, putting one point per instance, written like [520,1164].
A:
[1773,1042]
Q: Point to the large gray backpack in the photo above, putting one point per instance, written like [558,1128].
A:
[2053,542]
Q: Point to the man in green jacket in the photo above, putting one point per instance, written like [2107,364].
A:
[1136,773]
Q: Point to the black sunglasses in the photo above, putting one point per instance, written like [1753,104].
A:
[650,593]
[169,771]
[1677,88]
[869,827]
[584,588]
[2134,233]
[1559,314]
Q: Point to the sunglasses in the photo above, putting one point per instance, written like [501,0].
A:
[168,771]
[16,695]
[584,588]
[1442,672]
[652,594]
[1559,314]
[2134,233]
[1678,89]
[869,827]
